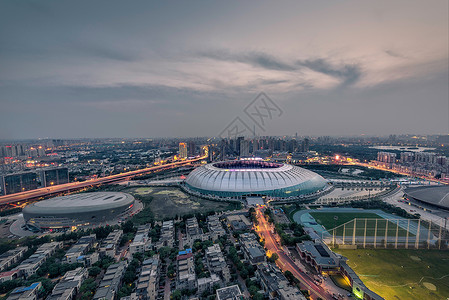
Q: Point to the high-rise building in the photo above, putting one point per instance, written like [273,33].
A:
[305,145]
[16,183]
[182,150]
[244,148]
[191,148]
[50,177]
[386,157]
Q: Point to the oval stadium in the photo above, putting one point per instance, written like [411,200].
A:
[236,180]
[78,210]
[437,196]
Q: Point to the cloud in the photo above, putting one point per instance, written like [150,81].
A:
[394,54]
[347,73]
[257,59]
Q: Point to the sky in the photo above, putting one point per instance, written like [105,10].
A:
[82,69]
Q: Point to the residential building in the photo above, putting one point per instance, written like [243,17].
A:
[110,284]
[193,231]
[239,222]
[11,257]
[274,283]
[10,275]
[208,283]
[110,244]
[229,293]
[167,238]
[76,254]
[30,265]
[215,228]
[185,275]
[26,292]
[147,283]
[216,263]
[252,250]
[69,285]
[141,242]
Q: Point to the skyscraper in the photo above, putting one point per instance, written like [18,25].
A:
[182,150]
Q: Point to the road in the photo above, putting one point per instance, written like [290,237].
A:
[367,165]
[284,262]
[33,194]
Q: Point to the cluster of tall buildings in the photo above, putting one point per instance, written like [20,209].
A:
[20,150]
[187,149]
[26,181]
[259,147]
[415,163]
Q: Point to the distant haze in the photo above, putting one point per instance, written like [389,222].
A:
[188,68]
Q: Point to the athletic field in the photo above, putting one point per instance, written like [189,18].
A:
[402,274]
[331,220]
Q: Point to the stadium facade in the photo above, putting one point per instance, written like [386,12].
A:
[437,196]
[78,210]
[239,179]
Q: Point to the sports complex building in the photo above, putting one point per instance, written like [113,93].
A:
[239,179]
[78,210]
[436,196]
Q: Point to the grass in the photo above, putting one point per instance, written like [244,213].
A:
[402,274]
[167,202]
[327,220]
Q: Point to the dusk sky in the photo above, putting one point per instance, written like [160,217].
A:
[188,68]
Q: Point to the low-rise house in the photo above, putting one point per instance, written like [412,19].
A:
[208,283]
[141,242]
[185,275]
[110,244]
[77,252]
[69,285]
[147,283]
[11,257]
[252,250]
[216,263]
[30,265]
[216,230]
[193,232]
[239,222]
[26,292]
[10,275]
[274,283]
[110,284]
[229,293]
[167,238]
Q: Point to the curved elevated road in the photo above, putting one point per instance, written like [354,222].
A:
[33,194]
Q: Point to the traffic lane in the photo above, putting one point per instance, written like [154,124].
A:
[75,185]
[287,263]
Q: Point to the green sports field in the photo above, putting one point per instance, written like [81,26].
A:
[402,274]
[327,219]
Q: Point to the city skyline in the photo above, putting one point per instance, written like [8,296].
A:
[110,69]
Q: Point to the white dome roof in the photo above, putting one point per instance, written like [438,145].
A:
[250,176]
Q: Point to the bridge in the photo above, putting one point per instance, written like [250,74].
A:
[67,187]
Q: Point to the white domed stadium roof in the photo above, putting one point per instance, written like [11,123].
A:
[253,176]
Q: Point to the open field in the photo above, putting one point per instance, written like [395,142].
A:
[168,202]
[402,274]
[327,219]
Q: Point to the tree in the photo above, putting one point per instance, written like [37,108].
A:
[176,295]
[94,271]
[273,258]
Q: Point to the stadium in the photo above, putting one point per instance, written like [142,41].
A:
[437,196]
[78,210]
[239,179]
